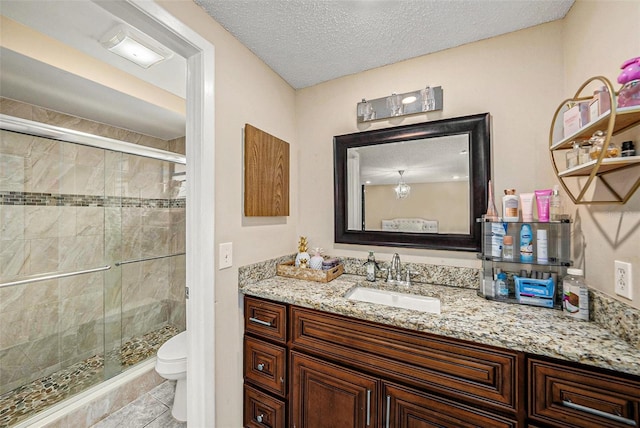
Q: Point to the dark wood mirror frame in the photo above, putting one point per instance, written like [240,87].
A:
[477,127]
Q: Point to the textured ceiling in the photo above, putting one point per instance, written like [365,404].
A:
[312,41]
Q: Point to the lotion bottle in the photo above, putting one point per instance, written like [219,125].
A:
[555,204]
[542,246]
[510,205]
[526,243]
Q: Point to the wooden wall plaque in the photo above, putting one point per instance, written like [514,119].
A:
[266,174]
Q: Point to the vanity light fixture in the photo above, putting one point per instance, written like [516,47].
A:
[402,189]
[395,105]
[134,46]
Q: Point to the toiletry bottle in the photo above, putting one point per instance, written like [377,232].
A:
[372,266]
[498,230]
[555,204]
[541,246]
[501,285]
[526,243]
[492,213]
[628,149]
[507,247]
[510,205]
[575,295]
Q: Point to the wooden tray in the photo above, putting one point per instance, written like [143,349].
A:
[289,270]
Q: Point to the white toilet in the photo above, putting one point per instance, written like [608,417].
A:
[171,363]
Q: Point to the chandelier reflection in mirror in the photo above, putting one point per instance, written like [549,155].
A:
[402,189]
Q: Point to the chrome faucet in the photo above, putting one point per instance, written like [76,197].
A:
[396,267]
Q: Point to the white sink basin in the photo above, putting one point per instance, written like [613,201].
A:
[395,299]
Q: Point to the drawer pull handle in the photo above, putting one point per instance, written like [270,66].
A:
[388,411]
[600,413]
[368,407]
[260,367]
[259,418]
[257,321]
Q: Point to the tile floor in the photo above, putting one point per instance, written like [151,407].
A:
[152,410]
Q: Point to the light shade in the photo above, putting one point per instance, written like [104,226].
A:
[134,47]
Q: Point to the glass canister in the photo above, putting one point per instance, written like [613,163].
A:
[597,145]
[572,155]
[583,152]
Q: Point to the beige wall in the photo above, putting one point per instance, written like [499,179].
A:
[246,91]
[520,78]
[598,36]
[446,202]
[517,78]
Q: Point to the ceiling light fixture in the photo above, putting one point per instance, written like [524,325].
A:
[134,46]
[394,105]
[402,189]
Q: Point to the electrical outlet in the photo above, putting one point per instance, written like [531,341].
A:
[225,256]
[623,278]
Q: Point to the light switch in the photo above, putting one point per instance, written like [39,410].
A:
[225,257]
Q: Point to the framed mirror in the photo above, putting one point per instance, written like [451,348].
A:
[421,185]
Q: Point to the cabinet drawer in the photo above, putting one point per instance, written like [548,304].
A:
[483,375]
[265,365]
[266,319]
[404,407]
[262,411]
[563,396]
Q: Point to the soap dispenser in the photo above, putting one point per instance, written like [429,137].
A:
[371,266]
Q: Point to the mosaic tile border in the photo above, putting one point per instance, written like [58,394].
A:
[68,200]
[27,400]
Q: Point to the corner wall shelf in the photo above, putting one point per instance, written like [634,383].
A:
[613,121]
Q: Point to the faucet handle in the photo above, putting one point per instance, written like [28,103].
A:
[388,273]
[408,277]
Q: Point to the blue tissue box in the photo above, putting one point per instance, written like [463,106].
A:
[537,292]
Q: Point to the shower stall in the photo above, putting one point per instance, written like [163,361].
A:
[92,260]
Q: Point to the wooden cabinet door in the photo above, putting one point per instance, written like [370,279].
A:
[328,396]
[408,408]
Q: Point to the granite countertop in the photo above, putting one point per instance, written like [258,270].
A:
[465,315]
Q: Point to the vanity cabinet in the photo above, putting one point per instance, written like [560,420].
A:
[408,408]
[265,364]
[345,372]
[569,397]
[577,180]
[328,395]
[555,266]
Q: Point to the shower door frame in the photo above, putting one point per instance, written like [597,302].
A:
[152,19]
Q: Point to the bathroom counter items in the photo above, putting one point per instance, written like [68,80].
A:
[466,316]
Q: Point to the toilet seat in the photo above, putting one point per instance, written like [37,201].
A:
[172,355]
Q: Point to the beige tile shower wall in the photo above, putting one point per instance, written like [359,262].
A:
[59,322]
[39,114]
[53,324]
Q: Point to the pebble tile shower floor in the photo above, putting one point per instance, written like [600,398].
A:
[27,400]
